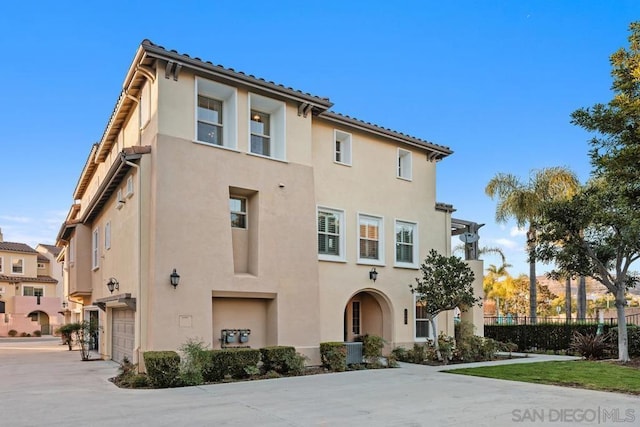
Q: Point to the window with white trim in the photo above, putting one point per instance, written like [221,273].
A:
[95,249]
[331,241]
[266,127]
[423,330]
[238,209]
[404,164]
[107,235]
[355,317]
[32,291]
[17,265]
[406,244]
[216,114]
[370,239]
[342,147]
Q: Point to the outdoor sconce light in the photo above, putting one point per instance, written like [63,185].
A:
[175,279]
[373,275]
[113,284]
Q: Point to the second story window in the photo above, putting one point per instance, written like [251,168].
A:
[404,164]
[406,245]
[330,235]
[209,120]
[95,249]
[17,265]
[370,239]
[260,133]
[32,291]
[216,114]
[342,147]
[267,127]
[238,208]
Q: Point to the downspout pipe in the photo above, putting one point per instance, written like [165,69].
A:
[139,301]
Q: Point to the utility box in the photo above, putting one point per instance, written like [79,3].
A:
[244,335]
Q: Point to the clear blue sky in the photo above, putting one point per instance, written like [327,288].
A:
[495,81]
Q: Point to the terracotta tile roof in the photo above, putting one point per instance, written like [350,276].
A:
[149,45]
[54,250]
[137,149]
[332,115]
[18,279]
[17,247]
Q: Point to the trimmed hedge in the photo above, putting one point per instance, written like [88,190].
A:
[633,340]
[236,362]
[543,336]
[163,368]
[282,359]
[334,356]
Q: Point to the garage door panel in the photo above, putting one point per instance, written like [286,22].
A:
[122,338]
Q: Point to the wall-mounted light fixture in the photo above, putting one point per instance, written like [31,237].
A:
[113,284]
[373,275]
[175,279]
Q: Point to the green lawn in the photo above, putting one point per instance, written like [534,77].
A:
[602,376]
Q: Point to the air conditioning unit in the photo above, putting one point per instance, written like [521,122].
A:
[2,290]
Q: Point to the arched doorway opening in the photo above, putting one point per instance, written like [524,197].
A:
[368,312]
[42,319]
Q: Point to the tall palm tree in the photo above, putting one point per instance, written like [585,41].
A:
[523,201]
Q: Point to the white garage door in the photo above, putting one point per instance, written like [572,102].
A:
[122,330]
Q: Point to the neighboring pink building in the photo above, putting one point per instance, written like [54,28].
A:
[28,297]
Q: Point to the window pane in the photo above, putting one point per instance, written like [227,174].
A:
[38,292]
[237,205]
[27,291]
[422,329]
[260,145]
[209,110]
[260,123]
[238,220]
[209,133]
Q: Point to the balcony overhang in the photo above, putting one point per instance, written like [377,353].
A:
[116,300]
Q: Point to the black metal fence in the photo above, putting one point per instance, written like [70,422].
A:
[525,320]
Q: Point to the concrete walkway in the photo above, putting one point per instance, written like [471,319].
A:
[42,383]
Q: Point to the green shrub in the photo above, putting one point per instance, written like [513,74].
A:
[37,333]
[633,340]
[334,356]
[232,362]
[163,368]
[195,356]
[590,346]
[542,336]
[401,354]
[418,354]
[67,332]
[12,332]
[128,376]
[372,346]
[475,349]
[282,359]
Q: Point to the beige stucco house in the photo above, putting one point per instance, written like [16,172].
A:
[287,224]
[28,293]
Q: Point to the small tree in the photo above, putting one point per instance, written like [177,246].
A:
[446,283]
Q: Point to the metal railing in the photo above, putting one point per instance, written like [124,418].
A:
[526,320]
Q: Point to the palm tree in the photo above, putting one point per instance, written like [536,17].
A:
[523,202]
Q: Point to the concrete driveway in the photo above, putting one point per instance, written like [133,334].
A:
[42,383]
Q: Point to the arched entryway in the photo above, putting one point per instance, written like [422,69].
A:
[368,312]
[42,319]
